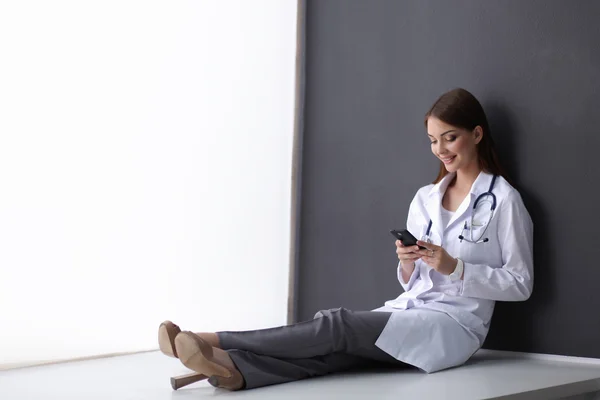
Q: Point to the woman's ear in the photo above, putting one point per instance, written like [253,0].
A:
[478,131]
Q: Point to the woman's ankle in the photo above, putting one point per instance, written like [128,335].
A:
[211,338]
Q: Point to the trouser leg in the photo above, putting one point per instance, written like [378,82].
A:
[260,370]
[337,340]
[336,331]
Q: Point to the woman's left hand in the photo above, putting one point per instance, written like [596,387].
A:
[437,258]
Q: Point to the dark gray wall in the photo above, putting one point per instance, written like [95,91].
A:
[373,68]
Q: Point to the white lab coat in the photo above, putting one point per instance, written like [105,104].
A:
[437,323]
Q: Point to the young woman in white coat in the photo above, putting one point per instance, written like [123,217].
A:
[477,240]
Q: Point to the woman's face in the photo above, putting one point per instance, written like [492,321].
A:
[456,147]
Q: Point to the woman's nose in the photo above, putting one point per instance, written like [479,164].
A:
[441,149]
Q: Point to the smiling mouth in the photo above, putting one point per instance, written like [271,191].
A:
[448,160]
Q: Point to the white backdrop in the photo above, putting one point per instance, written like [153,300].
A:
[145,171]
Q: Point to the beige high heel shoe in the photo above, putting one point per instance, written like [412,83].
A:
[167,331]
[197,354]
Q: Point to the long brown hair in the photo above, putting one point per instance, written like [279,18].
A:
[461,109]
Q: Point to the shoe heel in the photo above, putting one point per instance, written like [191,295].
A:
[235,382]
[178,382]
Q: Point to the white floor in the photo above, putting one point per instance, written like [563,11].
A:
[146,376]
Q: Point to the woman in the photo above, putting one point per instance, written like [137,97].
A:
[477,240]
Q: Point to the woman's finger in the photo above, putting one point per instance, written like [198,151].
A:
[406,250]
[421,243]
[427,245]
[408,260]
[429,261]
[427,253]
[409,255]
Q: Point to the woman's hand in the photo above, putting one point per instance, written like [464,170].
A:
[406,254]
[437,258]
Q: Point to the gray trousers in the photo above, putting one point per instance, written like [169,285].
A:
[336,340]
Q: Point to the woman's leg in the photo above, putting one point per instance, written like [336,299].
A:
[259,370]
[210,338]
[336,340]
[333,331]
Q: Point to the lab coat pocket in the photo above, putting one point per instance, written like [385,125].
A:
[481,251]
[474,253]
[478,230]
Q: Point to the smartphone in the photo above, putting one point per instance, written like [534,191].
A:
[405,237]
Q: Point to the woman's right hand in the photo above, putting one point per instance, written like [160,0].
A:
[406,255]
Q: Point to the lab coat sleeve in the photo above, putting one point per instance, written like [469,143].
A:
[413,277]
[514,281]
[413,227]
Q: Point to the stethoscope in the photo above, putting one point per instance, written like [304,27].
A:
[479,199]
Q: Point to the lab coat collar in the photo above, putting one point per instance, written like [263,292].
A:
[441,186]
[434,203]
[481,184]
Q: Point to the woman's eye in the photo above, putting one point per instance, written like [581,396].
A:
[451,138]
[434,142]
